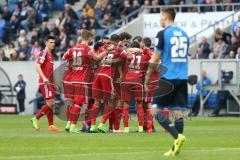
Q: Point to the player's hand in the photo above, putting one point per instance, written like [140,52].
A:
[57,88]
[146,88]
[45,80]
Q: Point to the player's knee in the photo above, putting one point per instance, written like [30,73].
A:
[159,116]
[177,114]
[51,103]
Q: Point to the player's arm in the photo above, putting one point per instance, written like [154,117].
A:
[135,50]
[154,61]
[40,61]
[40,73]
[67,55]
[100,56]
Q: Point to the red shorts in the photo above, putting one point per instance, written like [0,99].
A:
[68,89]
[81,93]
[149,95]
[102,88]
[132,90]
[117,89]
[47,91]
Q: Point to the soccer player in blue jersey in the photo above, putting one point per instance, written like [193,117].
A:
[172,45]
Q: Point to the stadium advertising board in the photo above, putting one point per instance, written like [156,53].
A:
[190,22]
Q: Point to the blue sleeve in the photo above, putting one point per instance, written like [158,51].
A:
[159,41]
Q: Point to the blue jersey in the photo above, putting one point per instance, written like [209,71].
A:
[173,44]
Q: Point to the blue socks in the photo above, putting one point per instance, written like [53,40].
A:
[166,124]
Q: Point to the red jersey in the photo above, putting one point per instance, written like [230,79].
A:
[67,67]
[135,69]
[46,59]
[106,69]
[81,63]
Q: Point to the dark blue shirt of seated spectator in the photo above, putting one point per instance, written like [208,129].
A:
[206,81]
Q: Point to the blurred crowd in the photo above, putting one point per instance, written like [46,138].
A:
[24,27]
[226,45]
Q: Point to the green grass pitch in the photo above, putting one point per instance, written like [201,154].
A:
[207,139]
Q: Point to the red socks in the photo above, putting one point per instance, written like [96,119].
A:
[75,112]
[107,112]
[125,114]
[68,113]
[93,114]
[117,118]
[149,120]
[140,113]
[49,113]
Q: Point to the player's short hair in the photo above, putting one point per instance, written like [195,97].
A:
[105,37]
[49,37]
[137,38]
[86,34]
[135,44]
[115,38]
[147,42]
[97,45]
[171,13]
[125,35]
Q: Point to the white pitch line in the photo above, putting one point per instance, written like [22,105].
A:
[116,153]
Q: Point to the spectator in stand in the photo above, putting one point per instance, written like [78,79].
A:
[208,8]
[9,49]
[235,26]
[14,55]
[30,21]
[224,35]
[220,46]
[22,37]
[199,54]
[2,56]
[94,23]
[24,51]
[98,10]
[42,9]
[90,10]
[205,47]
[2,26]
[238,34]
[238,54]
[68,9]
[43,31]
[6,14]
[35,50]
[155,10]
[214,55]
[231,55]
[17,11]
[127,7]
[107,21]
[233,46]
[13,27]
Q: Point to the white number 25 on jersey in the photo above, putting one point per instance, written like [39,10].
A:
[179,47]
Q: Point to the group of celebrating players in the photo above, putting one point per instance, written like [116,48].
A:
[112,72]
[115,71]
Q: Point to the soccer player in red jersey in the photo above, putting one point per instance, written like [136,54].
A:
[44,68]
[81,75]
[115,118]
[132,85]
[103,84]
[68,87]
[148,119]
